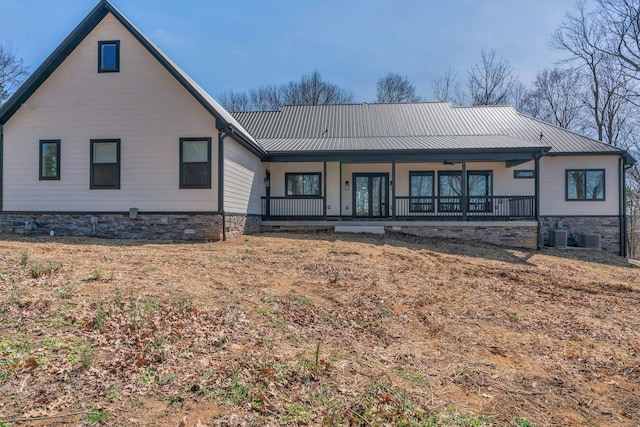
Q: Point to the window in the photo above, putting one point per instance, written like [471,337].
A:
[524,174]
[109,56]
[421,192]
[302,184]
[479,189]
[585,184]
[105,163]
[195,162]
[449,190]
[50,159]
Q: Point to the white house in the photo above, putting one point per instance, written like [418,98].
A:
[109,137]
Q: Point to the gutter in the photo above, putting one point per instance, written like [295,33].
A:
[222,134]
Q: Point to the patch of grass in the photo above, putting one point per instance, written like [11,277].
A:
[67,291]
[100,315]
[413,377]
[38,270]
[300,299]
[86,356]
[95,275]
[50,342]
[113,395]
[148,377]
[523,422]
[24,258]
[175,400]
[97,417]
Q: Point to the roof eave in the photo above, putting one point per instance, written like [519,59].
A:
[53,61]
[489,154]
[628,158]
[81,31]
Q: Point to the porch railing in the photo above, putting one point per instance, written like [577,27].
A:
[293,207]
[476,208]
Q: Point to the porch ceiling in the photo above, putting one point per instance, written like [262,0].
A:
[407,148]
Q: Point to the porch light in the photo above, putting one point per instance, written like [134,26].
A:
[267,182]
[346,185]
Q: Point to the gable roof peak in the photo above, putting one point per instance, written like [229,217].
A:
[224,120]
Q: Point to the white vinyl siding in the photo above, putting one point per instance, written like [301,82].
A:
[243,179]
[143,106]
[553,184]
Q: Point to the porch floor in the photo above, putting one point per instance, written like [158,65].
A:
[397,223]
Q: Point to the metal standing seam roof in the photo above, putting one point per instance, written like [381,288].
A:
[436,143]
[427,125]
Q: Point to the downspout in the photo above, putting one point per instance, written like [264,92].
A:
[340,188]
[324,191]
[537,205]
[1,165]
[623,208]
[222,134]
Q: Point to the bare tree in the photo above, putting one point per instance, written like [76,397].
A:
[266,98]
[619,22]
[448,89]
[608,86]
[235,101]
[555,99]
[491,81]
[395,88]
[312,90]
[12,71]
[520,96]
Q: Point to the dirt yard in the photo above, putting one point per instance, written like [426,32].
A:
[315,329]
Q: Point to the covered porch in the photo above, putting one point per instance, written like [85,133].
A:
[452,186]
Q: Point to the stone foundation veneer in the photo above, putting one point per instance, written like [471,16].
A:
[607,227]
[237,225]
[516,235]
[164,226]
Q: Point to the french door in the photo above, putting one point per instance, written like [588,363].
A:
[371,195]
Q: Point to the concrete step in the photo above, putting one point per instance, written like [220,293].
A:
[373,229]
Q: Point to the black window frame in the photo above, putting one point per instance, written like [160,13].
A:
[115,69]
[286,184]
[420,205]
[482,202]
[524,174]
[475,203]
[207,183]
[566,185]
[93,185]
[57,176]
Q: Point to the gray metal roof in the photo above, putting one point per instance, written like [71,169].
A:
[440,143]
[429,125]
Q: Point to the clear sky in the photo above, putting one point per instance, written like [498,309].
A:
[240,44]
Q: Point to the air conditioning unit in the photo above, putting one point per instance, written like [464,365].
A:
[558,238]
[589,240]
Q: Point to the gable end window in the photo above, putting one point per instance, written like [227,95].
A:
[105,164]
[302,184]
[109,56]
[195,162]
[584,184]
[49,159]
